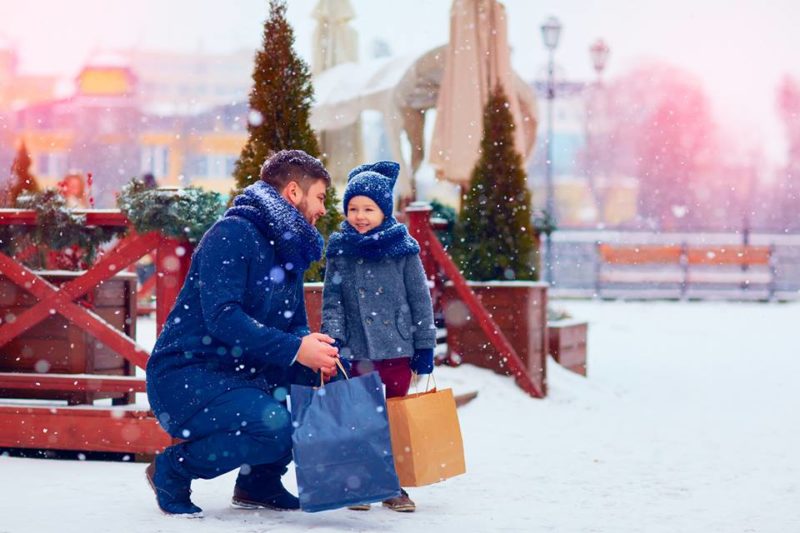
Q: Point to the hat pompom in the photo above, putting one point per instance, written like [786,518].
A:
[388,169]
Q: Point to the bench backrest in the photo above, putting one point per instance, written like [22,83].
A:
[694,255]
[729,255]
[639,255]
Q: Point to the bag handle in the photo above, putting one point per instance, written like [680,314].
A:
[341,367]
[427,385]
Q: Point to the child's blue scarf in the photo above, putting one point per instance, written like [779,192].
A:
[390,239]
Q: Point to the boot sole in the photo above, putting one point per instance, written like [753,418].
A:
[173,515]
[401,508]
[249,506]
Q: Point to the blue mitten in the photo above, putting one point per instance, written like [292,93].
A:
[422,361]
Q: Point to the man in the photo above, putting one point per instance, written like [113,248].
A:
[237,338]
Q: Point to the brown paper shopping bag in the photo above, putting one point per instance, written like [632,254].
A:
[426,437]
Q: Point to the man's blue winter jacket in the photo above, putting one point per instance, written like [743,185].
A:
[240,315]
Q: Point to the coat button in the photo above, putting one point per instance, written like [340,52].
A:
[369,320]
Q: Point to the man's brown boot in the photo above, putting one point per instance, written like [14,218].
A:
[401,504]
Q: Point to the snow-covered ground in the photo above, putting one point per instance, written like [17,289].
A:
[688,422]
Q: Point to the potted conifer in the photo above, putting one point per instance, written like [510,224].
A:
[495,248]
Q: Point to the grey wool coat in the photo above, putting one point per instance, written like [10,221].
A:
[377,308]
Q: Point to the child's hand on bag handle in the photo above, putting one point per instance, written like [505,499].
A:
[317,353]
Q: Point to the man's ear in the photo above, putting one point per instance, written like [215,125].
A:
[293,193]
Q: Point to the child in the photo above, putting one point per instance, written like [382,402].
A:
[376,301]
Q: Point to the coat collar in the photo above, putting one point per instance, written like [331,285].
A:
[390,239]
[296,241]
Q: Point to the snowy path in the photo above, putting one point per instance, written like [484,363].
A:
[687,423]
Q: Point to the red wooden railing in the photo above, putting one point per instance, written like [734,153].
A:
[85,429]
[434,257]
[131,430]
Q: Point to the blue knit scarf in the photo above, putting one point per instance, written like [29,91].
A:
[390,239]
[295,240]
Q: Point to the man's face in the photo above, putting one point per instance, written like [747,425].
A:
[311,203]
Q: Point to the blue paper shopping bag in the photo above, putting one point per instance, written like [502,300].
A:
[341,444]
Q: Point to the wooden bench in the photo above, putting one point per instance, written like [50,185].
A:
[685,271]
[70,382]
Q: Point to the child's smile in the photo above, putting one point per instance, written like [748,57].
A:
[364,214]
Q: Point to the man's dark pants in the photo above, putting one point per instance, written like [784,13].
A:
[245,428]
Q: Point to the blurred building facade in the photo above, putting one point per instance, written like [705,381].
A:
[175,84]
[180,117]
[579,173]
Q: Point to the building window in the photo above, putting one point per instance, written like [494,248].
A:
[212,165]
[230,164]
[197,166]
[155,159]
[52,164]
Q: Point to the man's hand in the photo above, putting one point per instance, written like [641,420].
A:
[317,353]
[328,377]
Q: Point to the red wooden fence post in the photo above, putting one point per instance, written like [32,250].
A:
[172,265]
[419,216]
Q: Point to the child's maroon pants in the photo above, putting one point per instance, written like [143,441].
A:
[394,373]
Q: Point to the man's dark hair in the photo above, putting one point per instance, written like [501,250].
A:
[293,165]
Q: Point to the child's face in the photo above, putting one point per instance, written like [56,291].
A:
[363,214]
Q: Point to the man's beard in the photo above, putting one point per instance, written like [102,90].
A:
[303,208]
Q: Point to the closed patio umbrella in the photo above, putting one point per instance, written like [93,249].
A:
[477,58]
[336,42]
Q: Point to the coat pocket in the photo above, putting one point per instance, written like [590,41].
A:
[403,321]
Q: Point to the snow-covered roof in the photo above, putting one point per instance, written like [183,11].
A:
[344,91]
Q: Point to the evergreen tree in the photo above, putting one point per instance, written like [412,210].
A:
[22,181]
[280,101]
[494,235]
[449,215]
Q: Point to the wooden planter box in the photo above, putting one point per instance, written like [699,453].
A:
[313,295]
[520,310]
[57,346]
[568,344]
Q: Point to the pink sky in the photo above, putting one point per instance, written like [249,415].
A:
[739,49]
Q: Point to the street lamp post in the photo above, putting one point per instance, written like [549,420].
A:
[599,53]
[551,31]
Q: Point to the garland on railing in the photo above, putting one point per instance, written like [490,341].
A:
[180,213]
[59,232]
[10,237]
[61,239]
[59,227]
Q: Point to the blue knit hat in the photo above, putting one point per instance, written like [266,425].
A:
[375,181]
